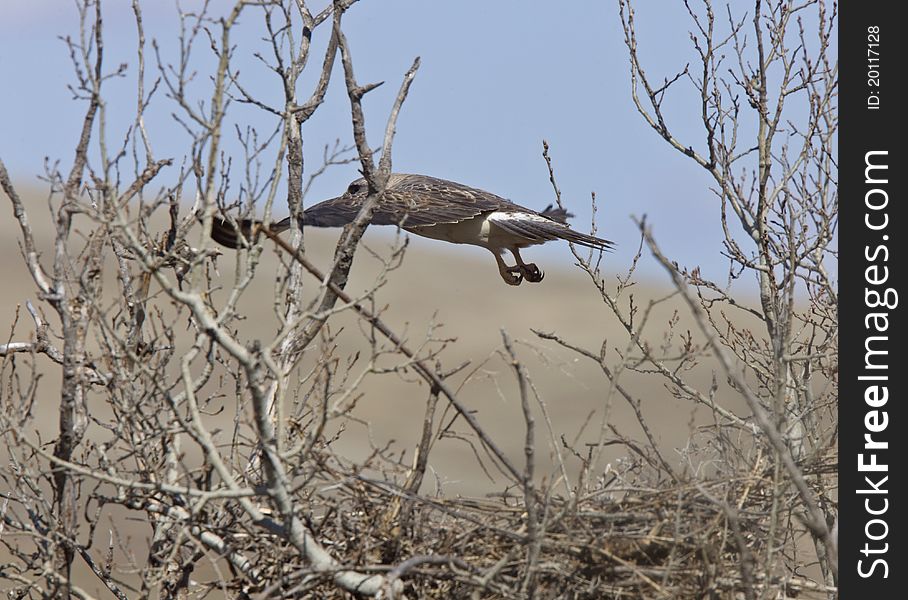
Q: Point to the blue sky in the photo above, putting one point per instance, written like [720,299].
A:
[496,79]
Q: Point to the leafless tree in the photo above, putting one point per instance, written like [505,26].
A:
[122,349]
[765,81]
[222,446]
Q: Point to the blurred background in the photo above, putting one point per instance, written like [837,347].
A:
[496,79]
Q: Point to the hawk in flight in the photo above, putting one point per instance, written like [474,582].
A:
[441,210]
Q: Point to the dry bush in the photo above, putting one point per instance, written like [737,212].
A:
[223,446]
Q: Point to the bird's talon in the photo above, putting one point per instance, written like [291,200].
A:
[512,276]
[532,273]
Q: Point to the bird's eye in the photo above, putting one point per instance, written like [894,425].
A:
[354,188]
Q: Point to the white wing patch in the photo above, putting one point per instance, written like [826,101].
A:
[505,216]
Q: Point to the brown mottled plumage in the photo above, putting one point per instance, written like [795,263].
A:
[443,210]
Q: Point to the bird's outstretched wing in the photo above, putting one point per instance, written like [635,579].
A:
[409,201]
[231,235]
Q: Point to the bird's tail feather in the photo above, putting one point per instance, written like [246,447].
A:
[540,231]
[589,241]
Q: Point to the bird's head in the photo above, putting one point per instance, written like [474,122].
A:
[358,189]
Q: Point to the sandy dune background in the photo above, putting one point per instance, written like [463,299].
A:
[458,289]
